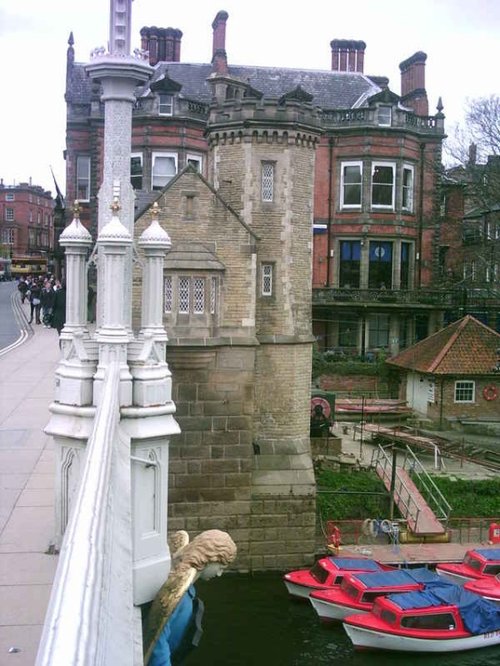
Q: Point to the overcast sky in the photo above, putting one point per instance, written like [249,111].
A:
[460,37]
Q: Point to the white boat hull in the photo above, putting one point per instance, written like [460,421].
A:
[298,591]
[362,637]
[329,612]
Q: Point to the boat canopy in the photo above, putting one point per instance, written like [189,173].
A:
[399,577]
[488,553]
[478,615]
[351,563]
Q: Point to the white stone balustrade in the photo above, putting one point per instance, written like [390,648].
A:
[91,620]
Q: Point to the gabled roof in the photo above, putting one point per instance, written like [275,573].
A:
[466,347]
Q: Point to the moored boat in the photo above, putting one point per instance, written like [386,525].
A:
[487,588]
[358,591]
[326,573]
[477,563]
[442,618]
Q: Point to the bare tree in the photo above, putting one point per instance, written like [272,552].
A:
[475,151]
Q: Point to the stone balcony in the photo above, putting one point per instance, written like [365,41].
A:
[368,117]
[424,298]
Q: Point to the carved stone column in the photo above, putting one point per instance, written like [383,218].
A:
[77,366]
[114,242]
[150,423]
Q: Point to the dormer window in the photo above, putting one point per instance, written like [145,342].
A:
[166,105]
[384,117]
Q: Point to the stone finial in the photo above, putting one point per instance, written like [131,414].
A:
[75,232]
[115,206]
[76,210]
[154,235]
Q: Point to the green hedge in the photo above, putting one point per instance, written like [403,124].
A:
[468,499]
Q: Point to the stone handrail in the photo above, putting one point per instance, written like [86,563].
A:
[90,618]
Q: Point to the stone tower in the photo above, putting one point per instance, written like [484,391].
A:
[262,163]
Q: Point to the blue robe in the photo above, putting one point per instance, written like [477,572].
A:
[181,632]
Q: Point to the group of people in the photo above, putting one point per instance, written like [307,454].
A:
[47,298]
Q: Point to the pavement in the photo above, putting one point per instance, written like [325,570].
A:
[27,379]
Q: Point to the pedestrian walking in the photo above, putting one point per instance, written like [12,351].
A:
[35,292]
[47,302]
[59,309]
[23,288]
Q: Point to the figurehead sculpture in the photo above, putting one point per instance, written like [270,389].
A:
[173,625]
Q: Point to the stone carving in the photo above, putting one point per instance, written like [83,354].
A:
[172,625]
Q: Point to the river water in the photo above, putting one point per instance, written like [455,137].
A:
[250,620]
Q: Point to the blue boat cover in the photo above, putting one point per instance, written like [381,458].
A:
[399,577]
[488,553]
[478,615]
[354,564]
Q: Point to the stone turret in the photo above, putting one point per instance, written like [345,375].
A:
[262,161]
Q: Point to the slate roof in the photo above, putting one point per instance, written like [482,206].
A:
[329,89]
[466,347]
[190,256]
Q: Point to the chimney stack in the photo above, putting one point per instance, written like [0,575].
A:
[348,55]
[219,56]
[413,92]
[163,44]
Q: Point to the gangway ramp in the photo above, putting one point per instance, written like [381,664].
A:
[422,519]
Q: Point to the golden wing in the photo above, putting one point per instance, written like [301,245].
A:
[164,604]
[177,542]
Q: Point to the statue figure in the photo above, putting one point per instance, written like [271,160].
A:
[173,625]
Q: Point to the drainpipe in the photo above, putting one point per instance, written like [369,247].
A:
[329,223]
[441,394]
[421,216]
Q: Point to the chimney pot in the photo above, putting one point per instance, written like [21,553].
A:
[219,56]
[348,55]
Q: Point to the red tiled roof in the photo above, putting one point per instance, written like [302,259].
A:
[466,347]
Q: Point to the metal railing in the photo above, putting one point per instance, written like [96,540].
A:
[426,486]
[425,297]
[382,464]
[90,618]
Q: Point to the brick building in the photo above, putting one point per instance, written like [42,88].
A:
[270,180]
[27,226]
[445,381]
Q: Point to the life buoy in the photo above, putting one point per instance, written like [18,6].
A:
[490,392]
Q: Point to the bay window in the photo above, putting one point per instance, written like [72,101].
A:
[351,181]
[383,185]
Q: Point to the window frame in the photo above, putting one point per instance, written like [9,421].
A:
[464,385]
[195,158]
[165,104]
[8,236]
[343,166]
[267,275]
[133,176]
[154,157]
[385,165]
[10,196]
[9,214]
[267,181]
[81,178]
[409,189]
[384,108]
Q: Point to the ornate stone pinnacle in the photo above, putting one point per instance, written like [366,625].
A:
[76,210]
[115,206]
[155,211]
